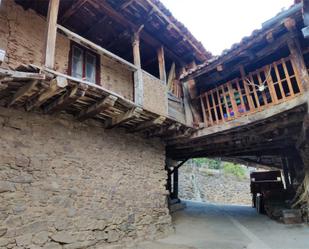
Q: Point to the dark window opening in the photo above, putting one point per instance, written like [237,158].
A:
[295,85]
[84,64]
[286,89]
[278,92]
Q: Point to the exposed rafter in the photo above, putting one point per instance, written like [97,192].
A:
[70,12]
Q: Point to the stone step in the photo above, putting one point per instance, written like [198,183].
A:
[291,216]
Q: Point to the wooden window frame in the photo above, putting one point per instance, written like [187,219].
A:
[85,50]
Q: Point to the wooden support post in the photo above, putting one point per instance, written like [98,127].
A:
[161,61]
[298,62]
[187,105]
[123,118]
[51,33]
[286,172]
[175,183]
[138,76]
[97,108]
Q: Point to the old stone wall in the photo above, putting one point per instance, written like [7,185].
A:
[67,184]
[22,36]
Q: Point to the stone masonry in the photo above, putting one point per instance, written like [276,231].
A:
[67,184]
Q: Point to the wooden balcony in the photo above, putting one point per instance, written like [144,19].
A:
[257,91]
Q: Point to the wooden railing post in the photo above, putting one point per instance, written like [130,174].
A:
[161,61]
[51,33]
[298,62]
[138,76]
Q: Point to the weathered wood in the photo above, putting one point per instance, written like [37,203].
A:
[16,75]
[91,85]
[2,56]
[187,105]
[149,124]
[98,49]
[97,108]
[132,114]
[71,11]
[200,54]
[24,92]
[171,77]
[66,99]
[51,33]
[244,120]
[161,61]
[116,15]
[138,76]
[298,62]
[56,86]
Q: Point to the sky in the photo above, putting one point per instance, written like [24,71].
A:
[218,24]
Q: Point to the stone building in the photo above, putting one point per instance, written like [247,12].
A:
[84,166]
[99,99]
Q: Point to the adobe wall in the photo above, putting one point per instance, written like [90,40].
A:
[67,184]
[22,36]
[155,95]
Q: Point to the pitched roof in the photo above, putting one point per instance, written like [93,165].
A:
[247,41]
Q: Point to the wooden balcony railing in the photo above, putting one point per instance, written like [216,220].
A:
[265,87]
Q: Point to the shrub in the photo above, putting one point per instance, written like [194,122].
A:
[234,169]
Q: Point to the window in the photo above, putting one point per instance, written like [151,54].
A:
[84,64]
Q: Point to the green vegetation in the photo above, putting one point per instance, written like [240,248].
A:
[234,169]
[228,168]
[211,163]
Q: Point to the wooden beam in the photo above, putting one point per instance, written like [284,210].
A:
[138,76]
[56,86]
[148,38]
[171,77]
[98,49]
[297,60]
[149,124]
[24,92]
[51,33]
[166,130]
[16,75]
[161,61]
[66,99]
[201,55]
[187,105]
[97,108]
[123,118]
[72,10]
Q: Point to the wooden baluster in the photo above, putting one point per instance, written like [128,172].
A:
[287,77]
[240,95]
[247,90]
[209,110]
[214,106]
[220,104]
[271,87]
[297,76]
[232,98]
[254,92]
[260,83]
[279,81]
[203,110]
[225,102]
